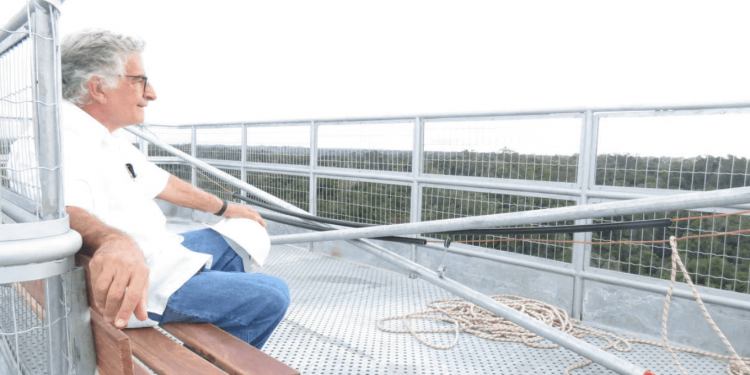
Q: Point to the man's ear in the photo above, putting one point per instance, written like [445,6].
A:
[96,90]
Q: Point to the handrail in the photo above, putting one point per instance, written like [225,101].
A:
[15,23]
[715,198]
[530,112]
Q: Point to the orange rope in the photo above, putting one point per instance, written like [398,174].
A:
[210,179]
[599,243]
[711,216]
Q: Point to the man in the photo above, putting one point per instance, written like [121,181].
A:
[137,266]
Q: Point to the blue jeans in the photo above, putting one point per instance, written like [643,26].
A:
[246,305]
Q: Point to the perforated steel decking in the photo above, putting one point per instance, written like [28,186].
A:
[331,328]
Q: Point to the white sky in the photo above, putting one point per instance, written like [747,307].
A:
[247,60]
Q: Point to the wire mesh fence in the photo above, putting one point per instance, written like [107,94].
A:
[721,262]
[441,203]
[182,171]
[210,185]
[528,149]
[29,329]
[369,146]
[535,149]
[216,143]
[19,167]
[696,153]
[281,144]
[179,138]
[363,202]
[291,188]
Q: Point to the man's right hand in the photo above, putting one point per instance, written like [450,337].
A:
[119,273]
[119,277]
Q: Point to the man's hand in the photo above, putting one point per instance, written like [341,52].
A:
[119,273]
[119,277]
[237,210]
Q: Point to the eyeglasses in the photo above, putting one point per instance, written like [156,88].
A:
[144,78]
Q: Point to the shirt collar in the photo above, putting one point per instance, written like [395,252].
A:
[77,120]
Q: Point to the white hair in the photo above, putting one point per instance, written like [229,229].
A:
[91,53]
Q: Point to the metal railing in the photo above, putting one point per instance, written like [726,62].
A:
[640,206]
[396,170]
[41,329]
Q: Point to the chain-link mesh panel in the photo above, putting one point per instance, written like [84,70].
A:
[721,262]
[440,204]
[371,146]
[363,202]
[279,144]
[290,188]
[535,150]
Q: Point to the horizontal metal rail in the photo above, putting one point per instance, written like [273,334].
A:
[529,112]
[521,187]
[589,351]
[719,198]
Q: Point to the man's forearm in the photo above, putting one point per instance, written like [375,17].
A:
[93,232]
[183,194]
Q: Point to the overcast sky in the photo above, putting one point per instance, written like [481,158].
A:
[246,60]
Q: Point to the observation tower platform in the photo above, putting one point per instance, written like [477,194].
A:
[416,176]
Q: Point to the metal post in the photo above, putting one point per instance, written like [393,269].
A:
[243,157]
[57,324]
[81,350]
[194,153]
[142,142]
[45,95]
[580,261]
[313,165]
[313,193]
[416,188]
[578,346]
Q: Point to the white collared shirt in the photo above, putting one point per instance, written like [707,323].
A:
[96,179]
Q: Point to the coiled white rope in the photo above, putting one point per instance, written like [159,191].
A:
[468,317]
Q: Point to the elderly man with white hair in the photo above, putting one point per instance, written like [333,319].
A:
[137,266]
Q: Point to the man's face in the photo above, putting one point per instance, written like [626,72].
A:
[125,103]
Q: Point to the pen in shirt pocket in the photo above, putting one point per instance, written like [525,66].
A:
[131,170]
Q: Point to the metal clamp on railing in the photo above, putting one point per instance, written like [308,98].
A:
[442,269]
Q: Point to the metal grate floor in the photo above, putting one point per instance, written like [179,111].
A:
[331,329]
[23,333]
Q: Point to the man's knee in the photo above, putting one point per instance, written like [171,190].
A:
[276,295]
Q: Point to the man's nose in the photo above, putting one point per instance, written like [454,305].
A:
[150,93]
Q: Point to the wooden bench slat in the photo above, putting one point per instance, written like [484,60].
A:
[140,370]
[228,352]
[166,357]
[112,348]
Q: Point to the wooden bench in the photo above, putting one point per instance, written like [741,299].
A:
[220,352]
